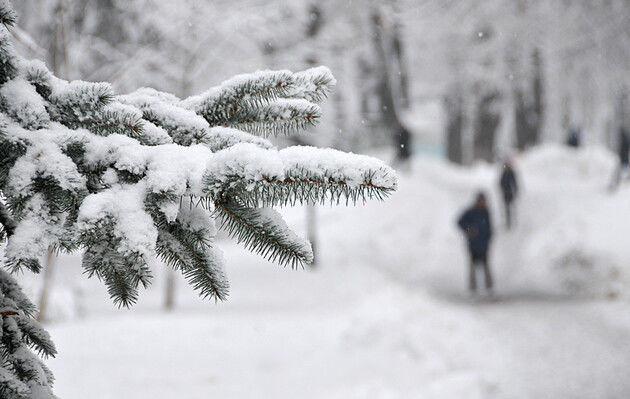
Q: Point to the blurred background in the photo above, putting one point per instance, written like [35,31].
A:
[447,91]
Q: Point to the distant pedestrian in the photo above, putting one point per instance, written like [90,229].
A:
[574,137]
[475,223]
[623,151]
[509,189]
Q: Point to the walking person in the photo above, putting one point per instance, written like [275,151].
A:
[475,223]
[509,189]
[623,151]
[574,137]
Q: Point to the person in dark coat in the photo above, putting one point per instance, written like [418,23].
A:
[623,151]
[475,223]
[509,189]
[574,138]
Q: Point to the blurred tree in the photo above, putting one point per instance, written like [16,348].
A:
[455,114]
[529,107]
[487,119]
[392,90]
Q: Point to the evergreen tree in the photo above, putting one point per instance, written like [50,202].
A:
[127,177]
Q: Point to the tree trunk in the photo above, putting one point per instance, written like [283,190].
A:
[529,108]
[169,297]
[311,231]
[391,90]
[44,296]
[454,105]
[61,68]
[316,22]
[486,124]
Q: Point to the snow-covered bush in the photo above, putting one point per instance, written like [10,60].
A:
[126,177]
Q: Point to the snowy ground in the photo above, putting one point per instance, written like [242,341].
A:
[385,314]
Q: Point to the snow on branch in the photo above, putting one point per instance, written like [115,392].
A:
[266,102]
[184,126]
[187,246]
[219,104]
[22,373]
[314,84]
[8,16]
[22,103]
[219,138]
[297,175]
[8,57]
[79,100]
[118,236]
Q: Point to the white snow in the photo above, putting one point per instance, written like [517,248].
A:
[327,163]
[233,87]
[24,104]
[43,159]
[78,93]
[246,160]
[384,314]
[124,204]
[307,80]
[35,232]
[220,137]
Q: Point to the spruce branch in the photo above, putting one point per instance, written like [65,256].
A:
[302,189]
[111,267]
[10,387]
[106,258]
[7,222]
[40,77]
[188,250]
[8,16]
[219,138]
[264,232]
[22,374]
[111,121]
[8,57]
[196,260]
[298,175]
[219,104]
[11,149]
[10,289]
[36,337]
[314,84]
[180,129]
[16,265]
[80,99]
[283,116]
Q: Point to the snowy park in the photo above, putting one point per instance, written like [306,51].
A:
[314,199]
[379,318]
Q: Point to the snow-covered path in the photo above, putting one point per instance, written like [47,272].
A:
[398,343]
[386,316]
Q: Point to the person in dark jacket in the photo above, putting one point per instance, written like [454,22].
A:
[574,137]
[623,151]
[475,222]
[509,189]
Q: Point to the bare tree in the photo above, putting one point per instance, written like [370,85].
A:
[529,107]
[487,119]
[455,115]
[392,88]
